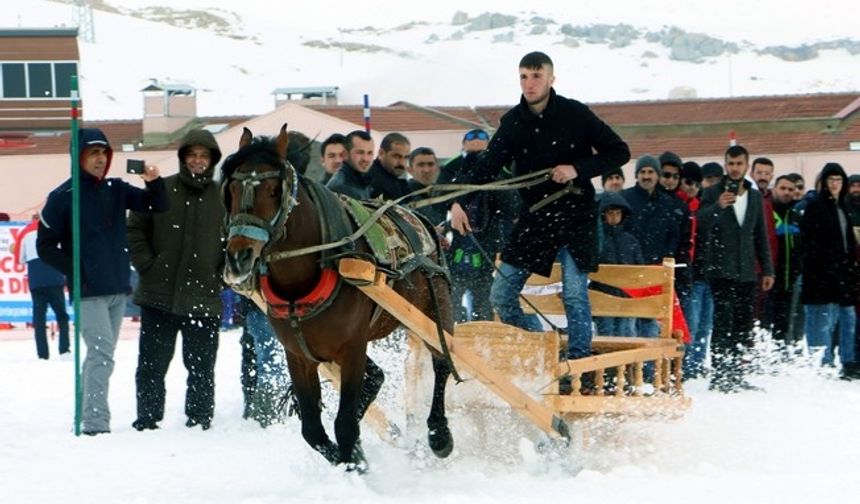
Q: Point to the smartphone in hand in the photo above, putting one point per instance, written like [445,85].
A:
[733,186]
[135,166]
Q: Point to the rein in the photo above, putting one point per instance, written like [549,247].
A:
[457,190]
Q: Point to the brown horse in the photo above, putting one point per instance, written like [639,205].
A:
[271,210]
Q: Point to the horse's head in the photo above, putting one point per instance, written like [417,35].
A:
[259,189]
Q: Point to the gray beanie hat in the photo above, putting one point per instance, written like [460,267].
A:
[649,161]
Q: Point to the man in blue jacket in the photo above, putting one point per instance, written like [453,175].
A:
[104,261]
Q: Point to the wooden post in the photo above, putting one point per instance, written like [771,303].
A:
[658,375]
[637,378]
[620,381]
[679,375]
[599,381]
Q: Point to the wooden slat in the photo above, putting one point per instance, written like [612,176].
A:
[537,412]
[654,307]
[613,343]
[548,304]
[630,276]
[510,350]
[620,358]
[628,405]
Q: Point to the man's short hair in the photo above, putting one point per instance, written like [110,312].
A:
[392,138]
[794,177]
[784,177]
[762,160]
[352,135]
[299,150]
[736,151]
[335,138]
[535,60]
[421,151]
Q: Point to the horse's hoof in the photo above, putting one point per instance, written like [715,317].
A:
[359,467]
[441,441]
[357,462]
[330,451]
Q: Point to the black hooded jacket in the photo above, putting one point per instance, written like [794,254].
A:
[179,254]
[616,245]
[830,272]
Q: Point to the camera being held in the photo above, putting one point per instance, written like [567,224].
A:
[138,167]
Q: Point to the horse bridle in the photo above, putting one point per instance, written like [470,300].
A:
[249,225]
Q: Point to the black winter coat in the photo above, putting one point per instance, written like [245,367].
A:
[385,184]
[830,272]
[656,222]
[566,132]
[351,182]
[732,249]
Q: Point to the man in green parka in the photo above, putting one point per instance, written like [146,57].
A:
[179,256]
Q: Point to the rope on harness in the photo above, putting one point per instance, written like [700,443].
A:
[446,352]
[458,190]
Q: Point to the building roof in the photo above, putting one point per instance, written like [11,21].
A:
[119,133]
[38,32]
[701,127]
[401,116]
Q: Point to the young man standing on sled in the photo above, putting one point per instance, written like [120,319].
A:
[558,221]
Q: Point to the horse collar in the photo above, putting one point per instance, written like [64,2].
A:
[308,305]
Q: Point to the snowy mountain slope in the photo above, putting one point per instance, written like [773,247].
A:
[236,54]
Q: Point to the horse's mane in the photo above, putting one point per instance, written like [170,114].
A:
[261,150]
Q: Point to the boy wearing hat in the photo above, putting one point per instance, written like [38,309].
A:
[616,247]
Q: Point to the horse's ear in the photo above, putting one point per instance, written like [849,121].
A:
[247,136]
[283,141]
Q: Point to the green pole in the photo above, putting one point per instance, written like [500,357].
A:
[76,253]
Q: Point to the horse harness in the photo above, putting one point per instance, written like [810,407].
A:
[335,226]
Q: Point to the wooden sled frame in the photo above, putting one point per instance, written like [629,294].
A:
[624,358]
[632,376]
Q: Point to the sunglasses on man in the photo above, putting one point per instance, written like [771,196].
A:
[671,175]
[476,135]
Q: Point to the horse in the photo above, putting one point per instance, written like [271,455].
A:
[270,212]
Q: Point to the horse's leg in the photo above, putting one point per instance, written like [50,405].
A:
[373,379]
[346,426]
[306,385]
[439,436]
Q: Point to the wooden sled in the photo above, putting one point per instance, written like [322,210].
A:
[632,376]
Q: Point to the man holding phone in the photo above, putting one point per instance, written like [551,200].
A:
[732,216]
[104,258]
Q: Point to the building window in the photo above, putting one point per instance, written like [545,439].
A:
[14,80]
[36,80]
[40,80]
[63,78]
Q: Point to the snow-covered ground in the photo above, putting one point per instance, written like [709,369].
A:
[798,442]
